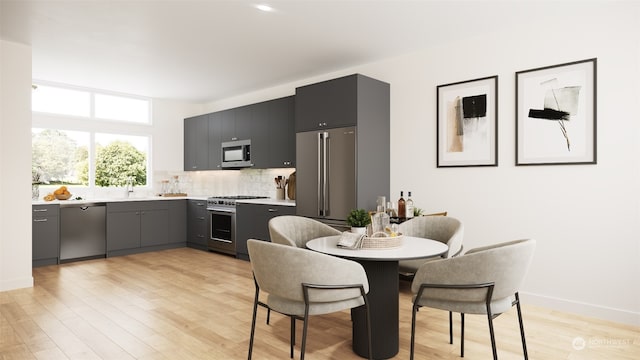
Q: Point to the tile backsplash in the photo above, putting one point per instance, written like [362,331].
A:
[257,182]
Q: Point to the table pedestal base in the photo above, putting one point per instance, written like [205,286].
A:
[383,299]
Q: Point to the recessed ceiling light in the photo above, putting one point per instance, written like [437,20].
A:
[264,7]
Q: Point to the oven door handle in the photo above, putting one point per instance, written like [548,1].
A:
[222,210]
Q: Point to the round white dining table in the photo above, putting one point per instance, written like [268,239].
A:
[381,266]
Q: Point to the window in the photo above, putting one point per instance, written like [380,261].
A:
[73,148]
[121,108]
[90,104]
[119,157]
[60,156]
[61,101]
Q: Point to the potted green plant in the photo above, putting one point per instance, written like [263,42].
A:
[358,219]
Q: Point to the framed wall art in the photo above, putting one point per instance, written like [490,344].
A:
[467,123]
[556,114]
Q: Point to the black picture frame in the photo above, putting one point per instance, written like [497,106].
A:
[467,123]
[556,114]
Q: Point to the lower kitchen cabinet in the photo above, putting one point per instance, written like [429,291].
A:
[177,221]
[45,226]
[252,222]
[138,226]
[197,224]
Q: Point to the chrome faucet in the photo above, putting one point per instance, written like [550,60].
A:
[129,186]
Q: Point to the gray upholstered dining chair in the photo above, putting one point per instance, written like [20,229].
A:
[446,229]
[298,285]
[297,230]
[484,280]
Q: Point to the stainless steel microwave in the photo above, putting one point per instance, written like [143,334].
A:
[236,154]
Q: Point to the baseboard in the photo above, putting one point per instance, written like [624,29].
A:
[15,284]
[583,309]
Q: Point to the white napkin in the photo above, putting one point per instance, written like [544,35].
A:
[349,240]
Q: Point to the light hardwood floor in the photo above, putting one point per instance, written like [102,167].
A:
[190,304]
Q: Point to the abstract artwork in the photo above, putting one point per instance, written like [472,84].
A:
[467,123]
[556,114]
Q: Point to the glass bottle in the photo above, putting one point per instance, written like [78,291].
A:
[380,221]
[401,206]
[409,205]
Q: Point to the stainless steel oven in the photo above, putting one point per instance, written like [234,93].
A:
[222,214]
[222,230]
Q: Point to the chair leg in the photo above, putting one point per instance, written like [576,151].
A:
[253,324]
[524,343]
[493,336]
[370,348]
[461,334]
[450,327]
[304,332]
[293,334]
[413,330]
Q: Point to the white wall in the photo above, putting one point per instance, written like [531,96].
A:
[15,166]
[586,218]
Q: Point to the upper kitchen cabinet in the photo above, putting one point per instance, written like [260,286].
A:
[281,133]
[214,140]
[236,123]
[196,143]
[259,116]
[336,103]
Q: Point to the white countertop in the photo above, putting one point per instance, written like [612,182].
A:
[268,202]
[154,198]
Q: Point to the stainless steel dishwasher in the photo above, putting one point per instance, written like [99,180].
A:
[82,231]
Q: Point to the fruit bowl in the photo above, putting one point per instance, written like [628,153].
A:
[62,196]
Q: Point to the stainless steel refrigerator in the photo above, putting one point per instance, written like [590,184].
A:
[326,174]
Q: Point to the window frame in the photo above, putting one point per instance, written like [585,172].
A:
[94,125]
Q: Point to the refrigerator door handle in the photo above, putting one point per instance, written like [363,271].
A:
[319,182]
[325,174]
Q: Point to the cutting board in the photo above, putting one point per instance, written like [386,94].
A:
[291,189]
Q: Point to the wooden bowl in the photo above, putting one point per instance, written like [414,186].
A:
[62,196]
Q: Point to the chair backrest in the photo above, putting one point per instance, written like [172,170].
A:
[446,229]
[297,230]
[280,270]
[504,264]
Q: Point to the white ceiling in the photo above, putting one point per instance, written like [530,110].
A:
[200,51]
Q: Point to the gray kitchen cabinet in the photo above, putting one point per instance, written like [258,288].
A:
[196,143]
[244,116]
[252,222]
[236,123]
[328,104]
[154,227]
[270,125]
[227,119]
[177,221]
[137,226]
[215,140]
[45,226]
[197,224]
[281,133]
[260,141]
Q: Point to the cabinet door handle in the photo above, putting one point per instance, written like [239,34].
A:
[201,218]
[40,210]
[40,220]
[273,210]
